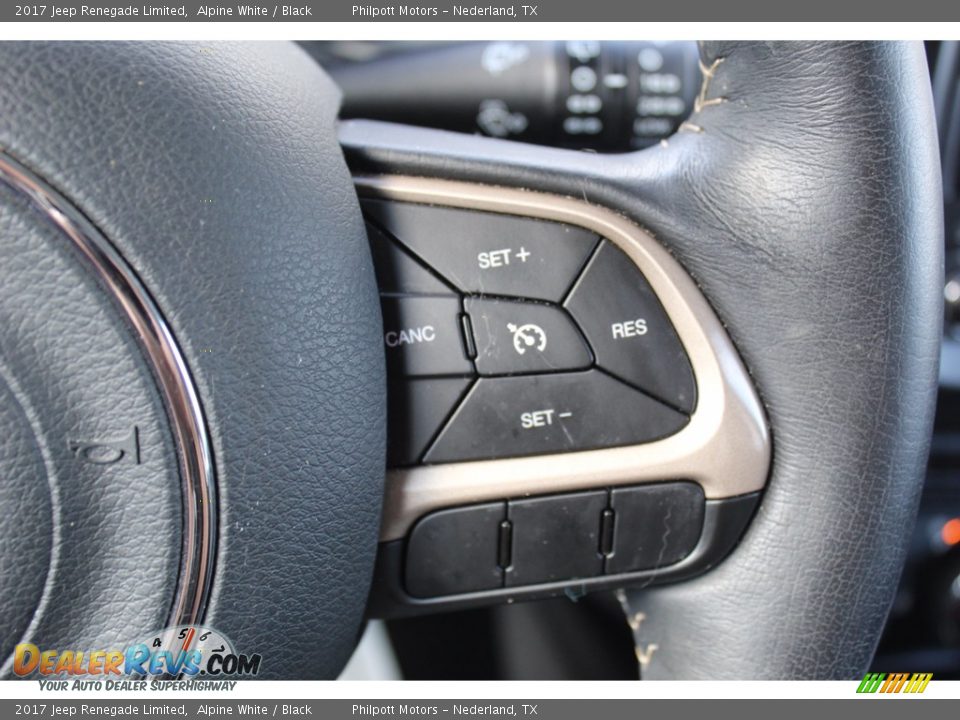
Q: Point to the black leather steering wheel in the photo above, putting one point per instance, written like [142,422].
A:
[209,195]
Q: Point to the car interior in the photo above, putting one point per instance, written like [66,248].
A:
[507,360]
[445,87]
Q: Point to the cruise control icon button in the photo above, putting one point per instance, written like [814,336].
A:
[514,337]
[487,253]
[628,329]
[528,336]
[516,416]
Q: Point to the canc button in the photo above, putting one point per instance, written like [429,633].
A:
[422,336]
[628,329]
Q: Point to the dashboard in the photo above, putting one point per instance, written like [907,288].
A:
[597,96]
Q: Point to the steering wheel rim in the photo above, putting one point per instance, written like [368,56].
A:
[223,189]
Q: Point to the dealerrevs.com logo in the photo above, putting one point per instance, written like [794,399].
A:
[188,651]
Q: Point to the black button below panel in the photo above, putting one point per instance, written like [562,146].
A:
[628,329]
[556,538]
[455,551]
[523,337]
[531,415]
[487,253]
[655,525]
[415,411]
[399,272]
[423,337]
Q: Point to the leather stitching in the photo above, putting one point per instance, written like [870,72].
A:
[702,101]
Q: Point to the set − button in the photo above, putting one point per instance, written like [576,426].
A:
[422,336]
[628,329]
[541,414]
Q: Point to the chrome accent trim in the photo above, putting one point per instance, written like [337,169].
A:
[726,445]
[172,376]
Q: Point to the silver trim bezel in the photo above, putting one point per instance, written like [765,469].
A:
[726,445]
[182,403]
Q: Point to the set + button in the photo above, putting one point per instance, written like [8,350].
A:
[489,254]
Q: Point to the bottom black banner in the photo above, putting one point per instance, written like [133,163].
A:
[872,706]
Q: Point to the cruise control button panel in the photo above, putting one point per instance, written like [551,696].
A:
[489,253]
[510,337]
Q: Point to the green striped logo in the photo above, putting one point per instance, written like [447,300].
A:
[894,682]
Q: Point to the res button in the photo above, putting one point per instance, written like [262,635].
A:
[628,329]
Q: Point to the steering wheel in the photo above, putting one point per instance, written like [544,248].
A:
[192,368]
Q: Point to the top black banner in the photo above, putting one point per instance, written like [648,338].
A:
[443,11]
